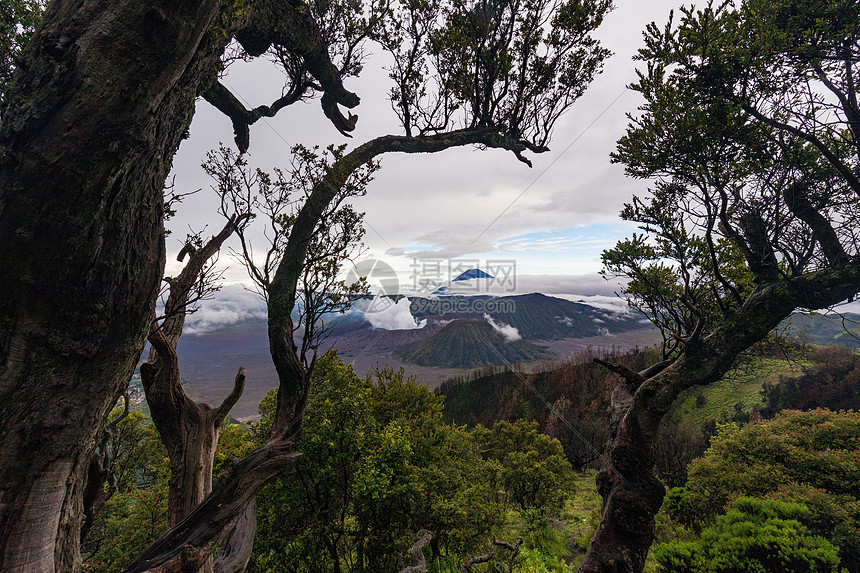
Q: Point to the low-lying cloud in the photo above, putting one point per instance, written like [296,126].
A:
[609,303]
[384,313]
[511,333]
[233,304]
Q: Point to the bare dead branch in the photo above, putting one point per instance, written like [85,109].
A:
[472,561]
[181,287]
[202,529]
[230,401]
[655,369]
[417,553]
[236,549]
[160,344]
[634,379]
[513,548]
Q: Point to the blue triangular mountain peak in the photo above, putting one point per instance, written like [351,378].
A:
[473,274]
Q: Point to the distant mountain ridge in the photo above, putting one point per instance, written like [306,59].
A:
[469,344]
[536,316]
[209,358]
[841,330]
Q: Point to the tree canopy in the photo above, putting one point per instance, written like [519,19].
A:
[802,457]
[748,136]
[750,132]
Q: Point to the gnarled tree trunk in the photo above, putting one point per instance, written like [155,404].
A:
[100,101]
[188,429]
[631,493]
[99,104]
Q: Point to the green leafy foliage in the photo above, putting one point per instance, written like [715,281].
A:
[513,66]
[748,137]
[755,536]
[18,19]
[137,512]
[379,463]
[810,457]
[535,473]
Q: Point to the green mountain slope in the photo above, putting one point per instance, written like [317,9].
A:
[469,344]
[820,329]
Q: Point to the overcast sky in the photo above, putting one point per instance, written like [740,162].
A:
[553,219]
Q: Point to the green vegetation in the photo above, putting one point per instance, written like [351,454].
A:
[16,26]
[380,463]
[136,513]
[511,395]
[807,457]
[469,344]
[748,146]
[756,536]
[739,391]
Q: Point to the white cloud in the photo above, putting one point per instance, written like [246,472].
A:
[231,305]
[440,204]
[611,303]
[383,313]
[511,334]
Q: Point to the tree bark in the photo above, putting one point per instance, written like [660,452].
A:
[99,104]
[102,97]
[416,552]
[195,537]
[236,549]
[631,493]
[99,472]
[188,429]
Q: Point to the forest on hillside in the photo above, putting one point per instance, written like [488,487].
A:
[383,461]
[725,448]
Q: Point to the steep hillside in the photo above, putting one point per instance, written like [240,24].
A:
[506,395]
[831,329]
[469,344]
[571,402]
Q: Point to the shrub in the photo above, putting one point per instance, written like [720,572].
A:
[812,457]
[755,536]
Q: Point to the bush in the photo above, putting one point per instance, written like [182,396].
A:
[755,536]
[812,457]
[832,381]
